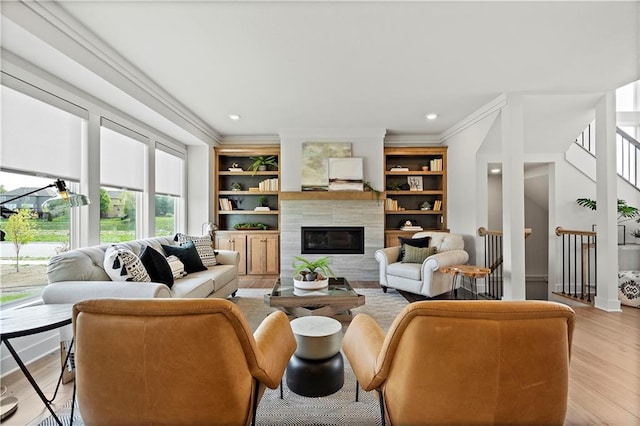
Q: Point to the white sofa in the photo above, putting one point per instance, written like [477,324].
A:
[78,274]
[422,278]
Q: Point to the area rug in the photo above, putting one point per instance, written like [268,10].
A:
[338,409]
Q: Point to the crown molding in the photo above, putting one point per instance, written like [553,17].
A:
[495,105]
[52,24]
[409,140]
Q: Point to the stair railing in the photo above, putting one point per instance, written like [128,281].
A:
[627,152]
[579,269]
[493,260]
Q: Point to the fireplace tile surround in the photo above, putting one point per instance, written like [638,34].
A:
[366,213]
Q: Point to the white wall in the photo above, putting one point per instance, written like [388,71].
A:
[367,144]
[466,184]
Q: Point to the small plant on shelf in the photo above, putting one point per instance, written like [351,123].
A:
[261,163]
[307,269]
[262,201]
[251,226]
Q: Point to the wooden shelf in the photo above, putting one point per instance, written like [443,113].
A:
[436,212]
[247,212]
[330,195]
[248,192]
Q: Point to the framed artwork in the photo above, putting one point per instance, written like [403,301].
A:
[345,174]
[315,168]
[415,183]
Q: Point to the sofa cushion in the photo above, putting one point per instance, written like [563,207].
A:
[196,285]
[411,271]
[204,246]
[414,242]
[188,255]
[121,264]
[417,254]
[156,265]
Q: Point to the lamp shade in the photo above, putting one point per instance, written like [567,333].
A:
[72,200]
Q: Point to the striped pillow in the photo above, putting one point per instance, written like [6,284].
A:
[204,247]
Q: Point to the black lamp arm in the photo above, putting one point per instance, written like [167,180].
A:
[59,184]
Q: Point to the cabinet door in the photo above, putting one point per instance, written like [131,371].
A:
[237,243]
[263,254]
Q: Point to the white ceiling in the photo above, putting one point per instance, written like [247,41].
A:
[350,64]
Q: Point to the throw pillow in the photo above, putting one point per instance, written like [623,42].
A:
[121,264]
[156,265]
[204,246]
[177,267]
[417,254]
[414,242]
[188,255]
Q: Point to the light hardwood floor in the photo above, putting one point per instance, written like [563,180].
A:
[604,387]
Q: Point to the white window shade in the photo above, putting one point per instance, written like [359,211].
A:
[38,137]
[122,160]
[168,174]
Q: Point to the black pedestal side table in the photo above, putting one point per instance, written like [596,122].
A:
[317,367]
[33,320]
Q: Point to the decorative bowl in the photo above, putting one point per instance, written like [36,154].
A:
[310,285]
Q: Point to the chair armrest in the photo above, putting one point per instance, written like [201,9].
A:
[445,258]
[76,291]
[276,342]
[227,257]
[385,257]
[361,344]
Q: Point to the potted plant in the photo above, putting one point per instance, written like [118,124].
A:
[261,163]
[307,269]
[625,211]
[636,234]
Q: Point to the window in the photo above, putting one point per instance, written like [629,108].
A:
[122,172]
[23,272]
[169,171]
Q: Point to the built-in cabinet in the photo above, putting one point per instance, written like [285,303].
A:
[415,190]
[247,207]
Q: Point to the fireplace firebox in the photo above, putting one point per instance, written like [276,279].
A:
[332,239]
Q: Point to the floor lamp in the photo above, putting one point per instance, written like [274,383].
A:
[9,404]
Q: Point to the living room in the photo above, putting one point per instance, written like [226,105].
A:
[510,95]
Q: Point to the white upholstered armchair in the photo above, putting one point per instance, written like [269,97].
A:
[422,278]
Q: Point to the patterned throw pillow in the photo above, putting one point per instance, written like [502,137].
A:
[121,264]
[417,254]
[415,242]
[177,267]
[204,246]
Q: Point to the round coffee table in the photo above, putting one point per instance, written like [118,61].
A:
[317,367]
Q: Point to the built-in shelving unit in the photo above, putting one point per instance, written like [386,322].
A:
[238,193]
[409,188]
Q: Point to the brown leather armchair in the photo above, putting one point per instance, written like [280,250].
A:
[466,362]
[175,361]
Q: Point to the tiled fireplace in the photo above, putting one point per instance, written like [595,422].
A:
[366,214]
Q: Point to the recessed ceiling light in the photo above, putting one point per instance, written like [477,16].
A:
[431,116]
[494,171]
[234,116]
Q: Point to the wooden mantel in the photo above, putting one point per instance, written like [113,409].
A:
[329,195]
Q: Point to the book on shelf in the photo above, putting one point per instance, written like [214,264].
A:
[435,165]
[392,205]
[254,189]
[225,204]
[399,169]
[268,185]
[411,228]
[437,205]
[262,209]
[235,169]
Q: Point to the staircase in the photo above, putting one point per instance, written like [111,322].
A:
[627,151]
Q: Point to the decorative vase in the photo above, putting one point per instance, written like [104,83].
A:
[262,167]
[425,168]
